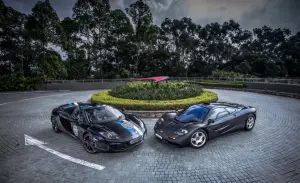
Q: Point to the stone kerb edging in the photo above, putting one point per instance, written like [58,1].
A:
[149,114]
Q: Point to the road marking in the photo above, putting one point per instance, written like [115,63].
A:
[32,141]
[34,98]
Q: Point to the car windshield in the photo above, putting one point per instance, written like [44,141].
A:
[193,113]
[103,114]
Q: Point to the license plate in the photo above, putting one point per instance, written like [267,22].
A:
[158,136]
[135,140]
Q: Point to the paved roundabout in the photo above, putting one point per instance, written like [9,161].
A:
[269,153]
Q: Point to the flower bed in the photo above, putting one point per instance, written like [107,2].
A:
[104,97]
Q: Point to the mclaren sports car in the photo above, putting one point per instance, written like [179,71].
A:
[197,124]
[99,127]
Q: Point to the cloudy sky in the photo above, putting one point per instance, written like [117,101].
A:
[249,13]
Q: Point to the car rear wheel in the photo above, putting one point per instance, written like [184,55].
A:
[89,144]
[55,124]
[250,122]
[198,139]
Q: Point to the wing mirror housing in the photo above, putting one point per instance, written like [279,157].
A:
[210,121]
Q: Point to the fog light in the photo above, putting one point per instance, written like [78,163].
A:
[173,138]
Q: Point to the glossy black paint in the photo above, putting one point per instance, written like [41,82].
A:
[69,124]
[166,126]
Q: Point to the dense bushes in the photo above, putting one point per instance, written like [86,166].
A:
[18,83]
[105,98]
[223,84]
[156,91]
[225,74]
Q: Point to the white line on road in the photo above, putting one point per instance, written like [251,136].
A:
[34,98]
[32,141]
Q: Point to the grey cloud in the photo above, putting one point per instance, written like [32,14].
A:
[276,14]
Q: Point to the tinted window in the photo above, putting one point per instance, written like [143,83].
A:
[193,113]
[218,113]
[103,114]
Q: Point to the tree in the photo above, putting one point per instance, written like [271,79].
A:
[121,32]
[142,18]
[11,40]
[43,30]
[92,18]
[105,43]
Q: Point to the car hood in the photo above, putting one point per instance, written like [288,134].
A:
[169,126]
[124,129]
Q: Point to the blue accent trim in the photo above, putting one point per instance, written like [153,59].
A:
[119,123]
[70,104]
[128,129]
[132,132]
[84,107]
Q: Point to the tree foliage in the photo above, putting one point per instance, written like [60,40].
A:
[104,43]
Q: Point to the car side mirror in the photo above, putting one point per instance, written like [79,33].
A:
[210,121]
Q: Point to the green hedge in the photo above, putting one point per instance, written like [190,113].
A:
[18,83]
[223,84]
[104,98]
[157,91]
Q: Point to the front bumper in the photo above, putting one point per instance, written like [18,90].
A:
[173,139]
[116,146]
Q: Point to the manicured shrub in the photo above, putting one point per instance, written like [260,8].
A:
[156,91]
[105,98]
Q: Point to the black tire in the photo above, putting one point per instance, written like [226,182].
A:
[250,122]
[202,139]
[88,143]
[55,124]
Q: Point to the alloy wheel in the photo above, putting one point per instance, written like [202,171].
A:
[250,122]
[198,139]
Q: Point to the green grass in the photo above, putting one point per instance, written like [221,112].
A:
[157,91]
[104,97]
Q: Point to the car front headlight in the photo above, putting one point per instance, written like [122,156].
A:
[181,132]
[109,135]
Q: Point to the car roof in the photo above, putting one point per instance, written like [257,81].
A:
[82,105]
[222,104]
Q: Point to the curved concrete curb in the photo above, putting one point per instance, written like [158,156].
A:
[149,114]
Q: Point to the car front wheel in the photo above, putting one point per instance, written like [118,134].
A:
[54,124]
[198,139]
[250,122]
[89,144]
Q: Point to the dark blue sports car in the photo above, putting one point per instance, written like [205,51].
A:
[99,127]
[199,123]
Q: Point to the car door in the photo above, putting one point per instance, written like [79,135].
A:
[64,118]
[231,119]
[79,124]
[220,125]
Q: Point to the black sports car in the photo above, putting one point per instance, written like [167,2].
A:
[199,123]
[99,127]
